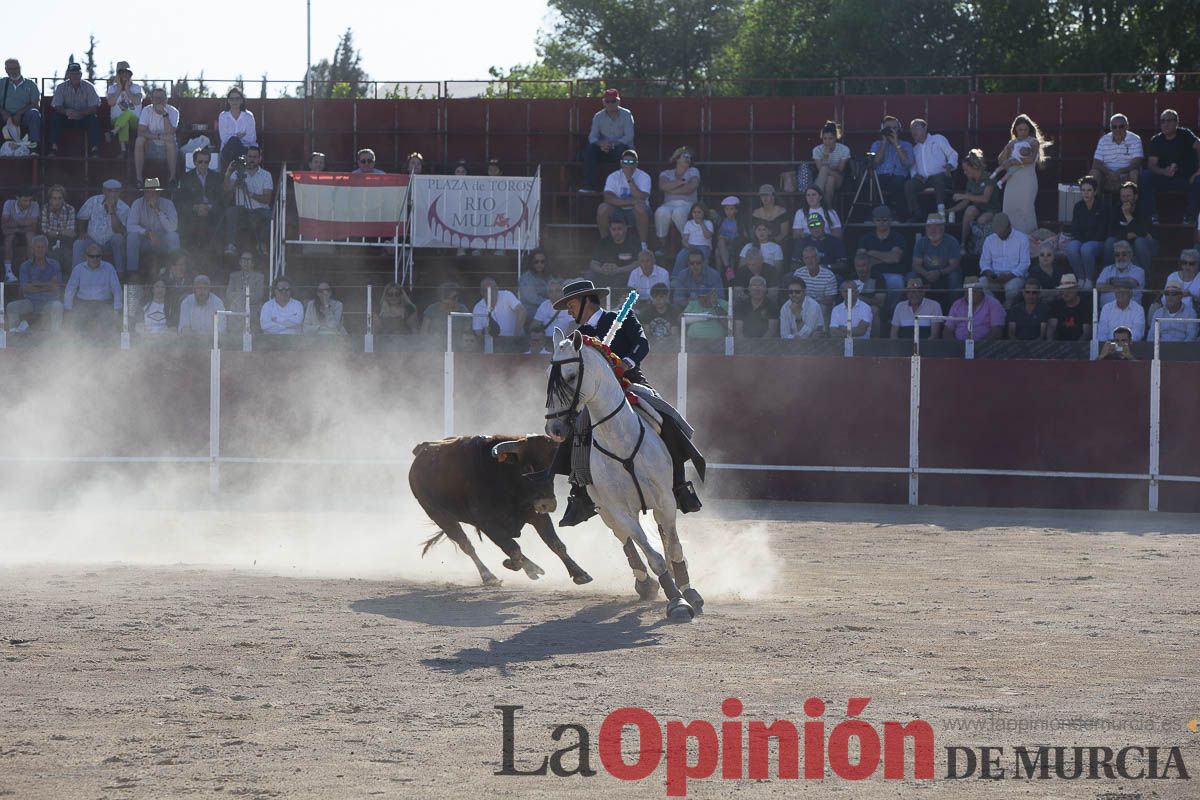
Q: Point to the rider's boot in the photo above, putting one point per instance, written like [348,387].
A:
[685,497]
[579,507]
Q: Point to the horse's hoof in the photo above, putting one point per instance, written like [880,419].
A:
[509,563]
[647,589]
[491,580]
[582,578]
[678,610]
[694,599]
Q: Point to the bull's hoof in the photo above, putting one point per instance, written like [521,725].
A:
[694,599]
[647,589]
[678,610]
[581,579]
[515,566]
[491,580]
[533,570]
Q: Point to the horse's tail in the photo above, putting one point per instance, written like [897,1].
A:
[430,542]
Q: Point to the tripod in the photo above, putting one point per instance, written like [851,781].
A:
[870,181]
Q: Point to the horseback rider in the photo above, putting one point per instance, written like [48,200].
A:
[581,299]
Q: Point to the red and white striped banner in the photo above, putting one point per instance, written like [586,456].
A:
[334,205]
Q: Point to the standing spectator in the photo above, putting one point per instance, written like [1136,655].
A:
[1174,163]
[1121,310]
[75,103]
[713,326]
[19,219]
[754,266]
[1118,156]
[324,312]
[885,250]
[366,163]
[800,317]
[934,164]
[22,100]
[397,313]
[547,317]
[41,277]
[774,215]
[904,317]
[614,257]
[235,126]
[1089,232]
[611,134]
[179,279]
[729,231]
[199,309]
[646,275]
[756,316]
[1122,268]
[1120,347]
[92,290]
[154,312]
[893,161]
[58,223]
[201,203]
[1005,259]
[498,311]
[101,220]
[851,317]
[1070,313]
[1046,271]
[282,314]
[1176,306]
[433,321]
[697,278]
[830,158]
[871,289]
[697,235]
[815,203]
[157,123]
[627,197]
[243,278]
[1027,319]
[1189,264]
[659,318]
[153,225]
[253,189]
[985,311]
[680,186]
[533,287]
[771,253]
[819,281]
[1020,159]
[125,104]
[981,198]
[937,256]
[1131,224]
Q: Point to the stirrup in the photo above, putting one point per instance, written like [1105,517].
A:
[686,498]
[579,509]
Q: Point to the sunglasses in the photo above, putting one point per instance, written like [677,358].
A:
[1189,263]
[628,161]
[688,156]
[796,291]
[283,289]
[610,102]
[1032,291]
[93,255]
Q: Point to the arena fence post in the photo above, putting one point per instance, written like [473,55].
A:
[3,321]
[914,428]
[214,413]
[1155,403]
[969,350]
[848,342]
[125,317]
[729,344]
[1094,344]
[682,365]
[369,336]
[247,338]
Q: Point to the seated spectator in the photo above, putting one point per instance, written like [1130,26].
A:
[493,168]
[157,124]
[1090,223]
[830,158]
[282,314]
[366,163]
[41,278]
[754,266]
[885,249]
[323,314]
[498,312]
[397,314]
[316,162]
[1118,156]
[1122,268]
[614,257]
[415,164]
[201,203]
[854,321]
[871,290]
[547,318]
[937,256]
[1189,264]
[199,309]
[1120,347]
[756,317]
[533,287]
[19,220]
[774,215]
[252,190]
[236,127]
[22,101]
[981,198]
[101,220]
[75,104]
[179,280]
[58,224]
[1121,310]
[680,186]
[1005,259]
[433,321]
[814,204]
[985,312]
[697,235]
[154,312]
[830,250]
[1070,313]
[93,294]
[1046,271]
[611,134]
[893,161]
[697,278]
[934,162]
[716,326]
[659,317]
[904,316]
[1176,306]
[729,231]
[647,274]
[243,278]
[125,104]
[1131,224]
[1027,319]
[153,225]
[800,317]
[819,280]
[1173,164]
[627,197]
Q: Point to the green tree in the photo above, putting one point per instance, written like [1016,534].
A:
[343,76]
[183,87]
[89,66]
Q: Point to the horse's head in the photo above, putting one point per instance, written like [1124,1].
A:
[564,390]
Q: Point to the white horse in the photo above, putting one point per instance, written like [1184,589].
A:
[630,466]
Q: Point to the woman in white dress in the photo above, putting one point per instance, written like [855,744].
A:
[1020,160]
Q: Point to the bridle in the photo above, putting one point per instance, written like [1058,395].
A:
[555,385]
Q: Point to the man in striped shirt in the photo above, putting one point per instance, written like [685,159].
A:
[1118,156]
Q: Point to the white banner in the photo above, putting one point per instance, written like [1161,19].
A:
[500,213]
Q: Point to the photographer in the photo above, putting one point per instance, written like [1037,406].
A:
[893,160]
[1120,347]
[252,190]
[156,126]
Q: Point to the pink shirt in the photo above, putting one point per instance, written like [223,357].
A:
[988,314]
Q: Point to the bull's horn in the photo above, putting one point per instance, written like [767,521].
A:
[504,448]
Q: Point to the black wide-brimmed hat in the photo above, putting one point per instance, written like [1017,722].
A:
[578,288]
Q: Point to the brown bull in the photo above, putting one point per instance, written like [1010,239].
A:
[481,481]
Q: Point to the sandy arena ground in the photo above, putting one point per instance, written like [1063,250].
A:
[214,654]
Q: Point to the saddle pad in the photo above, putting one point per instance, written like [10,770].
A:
[651,416]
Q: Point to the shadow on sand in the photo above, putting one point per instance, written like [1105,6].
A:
[451,607]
